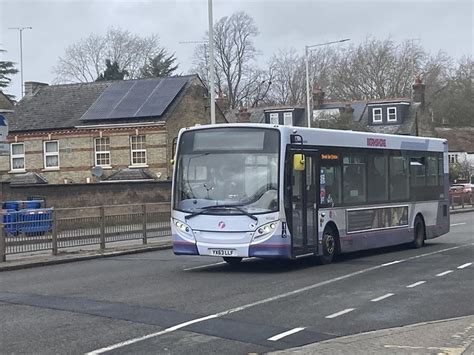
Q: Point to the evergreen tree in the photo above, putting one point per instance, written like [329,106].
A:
[6,69]
[159,66]
[112,72]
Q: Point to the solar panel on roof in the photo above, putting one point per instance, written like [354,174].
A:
[135,98]
[163,95]
[107,100]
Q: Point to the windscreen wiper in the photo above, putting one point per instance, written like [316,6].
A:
[237,207]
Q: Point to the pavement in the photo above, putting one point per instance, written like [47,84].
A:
[450,336]
[67,255]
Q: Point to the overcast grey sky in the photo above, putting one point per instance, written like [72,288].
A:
[440,25]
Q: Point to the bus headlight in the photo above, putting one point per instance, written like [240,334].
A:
[266,229]
[182,227]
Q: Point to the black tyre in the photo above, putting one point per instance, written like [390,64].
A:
[329,245]
[232,260]
[418,233]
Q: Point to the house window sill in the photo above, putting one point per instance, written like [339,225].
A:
[105,167]
[137,166]
[17,171]
[51,169]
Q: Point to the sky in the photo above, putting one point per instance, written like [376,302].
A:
[56,24]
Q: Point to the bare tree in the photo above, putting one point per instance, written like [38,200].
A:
[288,86]
[453,102]
[290,74]
[84,60]
[237,75]
[376,69]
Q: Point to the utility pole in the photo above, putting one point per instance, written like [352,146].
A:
[211,62]
[20,29]
[306,55]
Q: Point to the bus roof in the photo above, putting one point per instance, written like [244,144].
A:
[345,138]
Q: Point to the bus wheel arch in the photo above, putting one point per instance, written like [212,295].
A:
[419,232]
[330,244]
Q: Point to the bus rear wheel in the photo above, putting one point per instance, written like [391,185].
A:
[232,260]
[329,245]
[419,233]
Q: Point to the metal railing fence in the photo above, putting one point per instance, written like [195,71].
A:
[52,229]
[461,201]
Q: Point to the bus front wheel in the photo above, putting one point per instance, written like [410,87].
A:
[419,233]
[232,260]
[329,245]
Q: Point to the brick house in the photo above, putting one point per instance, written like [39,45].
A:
[101,131]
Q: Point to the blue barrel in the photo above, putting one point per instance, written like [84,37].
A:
[10,221]
[11,205]
[32,205]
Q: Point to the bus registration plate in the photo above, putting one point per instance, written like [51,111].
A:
[223,252]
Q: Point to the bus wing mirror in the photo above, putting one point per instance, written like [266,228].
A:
[298,162]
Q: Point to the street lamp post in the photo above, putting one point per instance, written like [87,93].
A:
[20,29]
[211,62]
[306,55]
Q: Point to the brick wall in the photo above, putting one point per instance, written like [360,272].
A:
[83,195]
[76,153]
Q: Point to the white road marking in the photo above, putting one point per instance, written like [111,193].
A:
[393,262]
[445,273]
[382,297]
[416,284]
[457,224]
[263,301]
[204,266]
[285,334]
[464,265]
[334,315]
[136,340]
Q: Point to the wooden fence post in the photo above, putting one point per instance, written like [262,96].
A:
[3,244]
[145,240]
[55,232]
[102,227]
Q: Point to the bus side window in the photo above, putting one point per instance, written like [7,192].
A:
[330,185]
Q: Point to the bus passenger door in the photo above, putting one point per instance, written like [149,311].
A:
[304,199]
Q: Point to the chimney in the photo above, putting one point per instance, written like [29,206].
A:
[348,109]
[243,116]
[419,92]
[32,87]
[318,97]
[223,102]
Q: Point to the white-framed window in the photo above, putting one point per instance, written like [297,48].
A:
[51,154]
[274,118]
[377,115]
[17,156]
[138,150]
[392,114]
[288,118]
[102,151]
